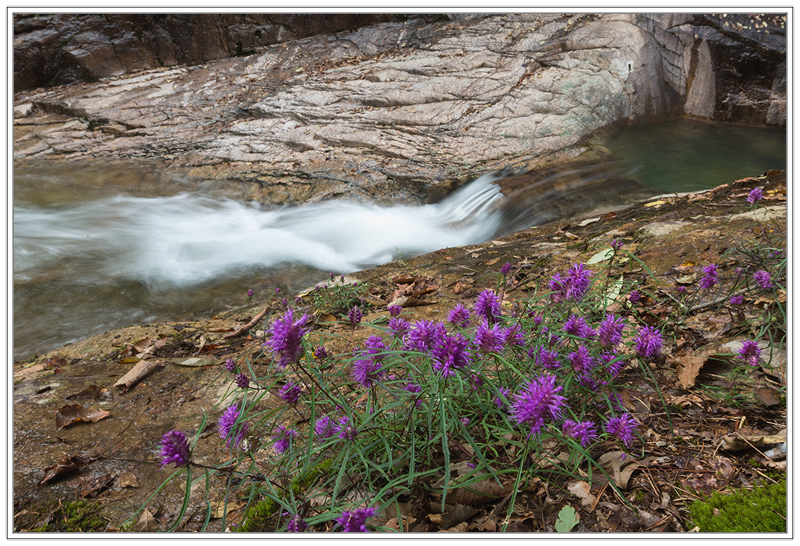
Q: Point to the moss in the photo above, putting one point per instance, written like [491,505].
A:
[760,510]
[74,517]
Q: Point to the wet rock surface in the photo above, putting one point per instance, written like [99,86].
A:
[118,455]
[408,111]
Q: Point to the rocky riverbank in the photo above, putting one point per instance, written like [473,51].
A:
[113,462]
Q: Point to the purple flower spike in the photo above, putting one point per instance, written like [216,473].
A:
[297,524]
[290,393]
[538,401]
[487,305]
[354,315]
[345,429]
[321,353]
[451,352]
[736,300]
[226,426]
[458,315]
[622,427]
[648,343]
[490,339]
[286,337]
[546,359]
[394,310]
[750,352]
[581,361]
[506,269]
[513,335]
[755,196]
[763,279]
[424,334]
[354,522]
[501,402]
[634,296]
[230,365]
[573,286]
[282,438]
[585,431]
[576,326]
[610,331]
[616,244]
[710,279]
[324,428]
[366,371]
[250,293]
[174,449]
[242,381]
[398,326]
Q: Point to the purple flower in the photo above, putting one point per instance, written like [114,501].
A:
[750,352]
[546,359]
[538,401]
[585,431]
[648,342]
[296,524]
[394,310]
[366,371]
[290,393]
[513,335]
[755,196]
[458,315]
[354,315]
[616,245]
[710,279]
[490,339]
[465,421]
[226,425]
[736,300]
[501,402]
[345,429]
[506,269]
[681,290]
[354,522]
[451,352]
[487,305]
[286,337]
[282,438]
[412,387]
[398,326]
[634,296]
[609,332]
[573,286]
[250,293]
[321,353]
[581,361]
[613,366]
[576,326]
[375,347]
[324,428]
[622,427]
[230,365]
[242,381]
[763,279]
[174,449]
[424,334]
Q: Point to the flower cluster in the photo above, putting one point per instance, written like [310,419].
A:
[573,286]
[286,337]
[355,521]
[227,427]
[710,278]
[174,449]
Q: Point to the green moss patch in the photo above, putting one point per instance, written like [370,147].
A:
[760,510]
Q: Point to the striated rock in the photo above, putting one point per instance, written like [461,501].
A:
[407,111]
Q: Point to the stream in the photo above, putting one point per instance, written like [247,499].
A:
[97,248]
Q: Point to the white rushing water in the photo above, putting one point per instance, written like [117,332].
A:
[188,239]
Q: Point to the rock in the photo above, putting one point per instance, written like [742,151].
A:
[404,111]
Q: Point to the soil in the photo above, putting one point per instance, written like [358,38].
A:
[112,461]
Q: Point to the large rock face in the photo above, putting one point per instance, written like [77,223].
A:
[404,110]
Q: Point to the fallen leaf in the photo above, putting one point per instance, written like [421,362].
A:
[194,361]
[127,479]
[588,221]
[768,395]
[67,464]
[223,509]
[567,519]
[737,442]
[74,413]
[601,256]
[457,515]
[147,523]
[92,391]
[582,490]
[688,368]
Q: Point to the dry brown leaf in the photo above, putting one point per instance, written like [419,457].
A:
[737,441]
[67,464]
[127,479]
[768,395]
[73,413]
[221,509]
[688,368]
[147,523]
[582,490]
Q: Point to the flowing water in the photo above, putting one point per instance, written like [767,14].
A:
[99,248]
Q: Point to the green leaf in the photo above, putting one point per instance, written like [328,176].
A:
[601,256]
[567,519]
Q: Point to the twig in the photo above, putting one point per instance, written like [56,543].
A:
[249,325]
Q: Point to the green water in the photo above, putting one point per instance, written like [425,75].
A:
[688,155]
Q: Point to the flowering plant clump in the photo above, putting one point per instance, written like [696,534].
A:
[317,434]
